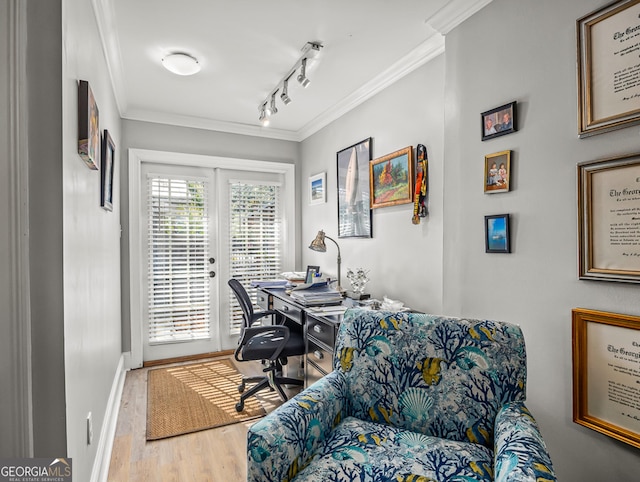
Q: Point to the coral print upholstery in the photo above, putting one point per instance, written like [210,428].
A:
[412,398]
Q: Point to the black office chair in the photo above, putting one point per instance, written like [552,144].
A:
[270,343]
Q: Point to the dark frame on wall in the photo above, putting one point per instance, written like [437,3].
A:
[88,126]
[499,121]
[354,212]
[106,176]
[497,238]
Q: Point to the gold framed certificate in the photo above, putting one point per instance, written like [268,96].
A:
[609,219]
[606,373]
[609,68]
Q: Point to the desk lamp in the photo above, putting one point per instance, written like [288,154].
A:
[318,245]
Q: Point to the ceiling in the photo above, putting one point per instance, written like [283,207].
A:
[246,47]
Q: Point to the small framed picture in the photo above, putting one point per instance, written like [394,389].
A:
[496,234]
[88,126]
[108,161]
[318,188]
[312,272]
[497,171]
[499,121]
[391,179]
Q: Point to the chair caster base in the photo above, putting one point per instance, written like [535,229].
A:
[241,387]
[239,407]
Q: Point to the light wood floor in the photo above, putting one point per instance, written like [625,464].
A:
[217,454]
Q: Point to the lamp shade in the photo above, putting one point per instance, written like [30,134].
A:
[318,243]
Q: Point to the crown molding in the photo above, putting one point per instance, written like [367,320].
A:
[419,56]
[454,13]
[106,20]
[209,124]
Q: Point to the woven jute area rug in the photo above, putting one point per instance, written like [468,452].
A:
[198,396]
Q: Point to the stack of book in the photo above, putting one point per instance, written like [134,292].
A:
[316,296]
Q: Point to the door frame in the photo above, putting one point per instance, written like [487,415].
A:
[136,266]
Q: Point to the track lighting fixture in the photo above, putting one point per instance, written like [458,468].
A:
[302,78]
[268,106]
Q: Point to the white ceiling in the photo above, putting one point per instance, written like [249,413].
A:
[246,47]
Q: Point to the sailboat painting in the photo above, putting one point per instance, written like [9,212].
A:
[354,214]
[496,234]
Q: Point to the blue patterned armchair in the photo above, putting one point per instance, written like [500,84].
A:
[412,398]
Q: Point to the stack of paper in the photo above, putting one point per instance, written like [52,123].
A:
[270,283]
[322,295]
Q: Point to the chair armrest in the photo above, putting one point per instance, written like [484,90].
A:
[520,453]
[283,442]
[261,314]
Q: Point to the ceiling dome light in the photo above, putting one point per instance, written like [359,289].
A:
[181,64]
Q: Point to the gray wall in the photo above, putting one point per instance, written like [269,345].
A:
[404,260]
[520,50]
[162,137]
[525,50]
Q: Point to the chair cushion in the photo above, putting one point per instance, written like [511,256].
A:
[261,347]
[368,451]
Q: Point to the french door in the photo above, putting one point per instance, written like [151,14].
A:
[199,227]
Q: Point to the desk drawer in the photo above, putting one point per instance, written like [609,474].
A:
[321,331]
[262,300]
[288,310]
[319,356]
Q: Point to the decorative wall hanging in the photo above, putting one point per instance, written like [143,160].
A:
[354,213]
[608,68]
[422,185]
[497,238]
[318,188]
[609,219]
[88,126]
[108,166]
[499,121]
[497,172]
[606,373]
[391,179]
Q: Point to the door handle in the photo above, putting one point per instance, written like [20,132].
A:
[212,274]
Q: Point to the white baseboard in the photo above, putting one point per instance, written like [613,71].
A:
[100,471]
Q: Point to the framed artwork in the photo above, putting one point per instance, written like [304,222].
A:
[608,70]
[496,234]
[88,126]
[497,172]
[609,219]
[499,121]
[606,373]
[391,179]
[318,188]
[108,161]
[354,213]
[312,272]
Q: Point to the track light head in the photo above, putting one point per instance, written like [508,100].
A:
[265,114]
[272,107]
[302,77]
[286,100]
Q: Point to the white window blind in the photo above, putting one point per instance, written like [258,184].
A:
[178,277]
[254,238]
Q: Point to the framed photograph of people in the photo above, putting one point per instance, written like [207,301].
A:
[354,212]
[391,179]
[496,234]
[606,373]
[609,219]
[318,188]
[499,121]
[608,68]
[497,172]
